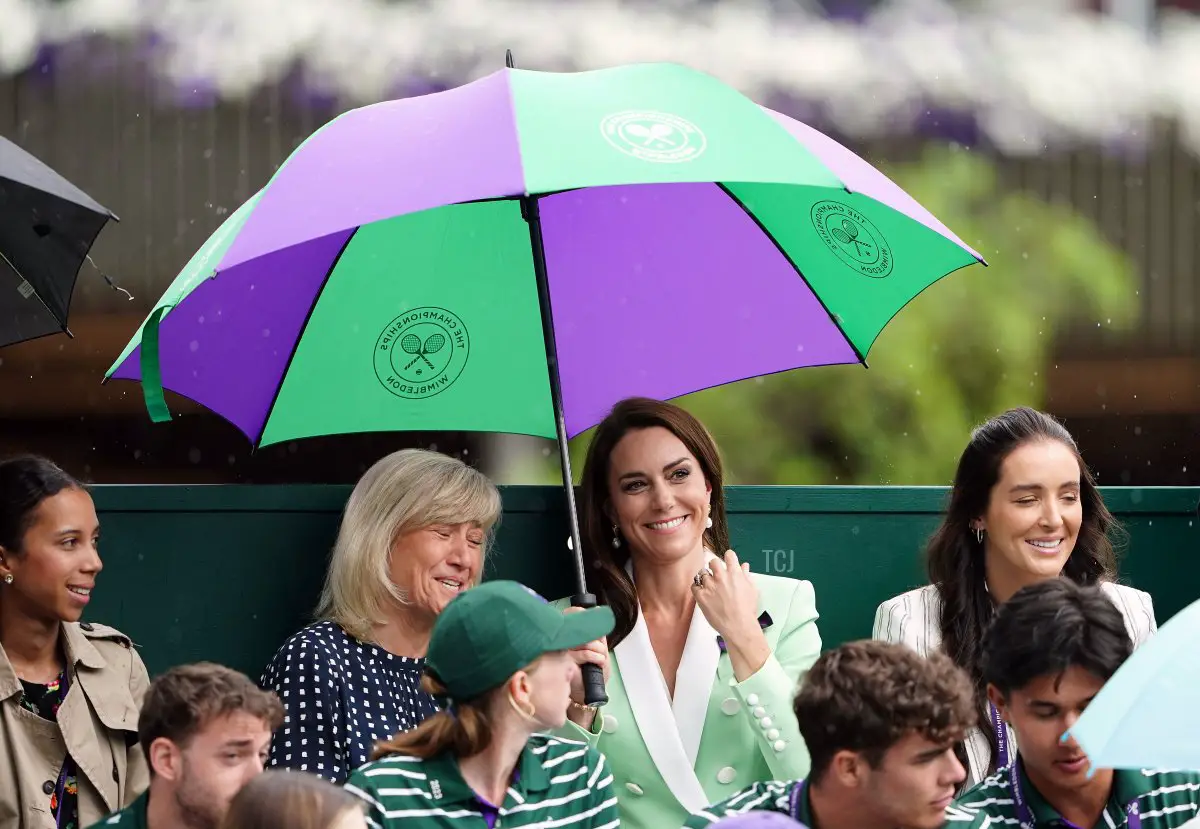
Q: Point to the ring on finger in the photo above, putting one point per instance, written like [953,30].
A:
[699,579]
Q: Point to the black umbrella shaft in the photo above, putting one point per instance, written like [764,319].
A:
[532,215]
[593,680]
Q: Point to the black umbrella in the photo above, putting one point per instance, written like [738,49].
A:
[47,227]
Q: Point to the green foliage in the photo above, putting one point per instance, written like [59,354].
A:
[973,344]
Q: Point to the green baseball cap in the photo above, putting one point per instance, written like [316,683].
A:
[488,633]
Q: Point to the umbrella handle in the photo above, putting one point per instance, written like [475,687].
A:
[594,694]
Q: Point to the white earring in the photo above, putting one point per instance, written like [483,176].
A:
[708,523]
[8,578]
[616,542]
[979,534]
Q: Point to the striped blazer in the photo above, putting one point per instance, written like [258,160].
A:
[914,619]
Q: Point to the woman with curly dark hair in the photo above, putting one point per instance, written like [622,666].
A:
[1023,508]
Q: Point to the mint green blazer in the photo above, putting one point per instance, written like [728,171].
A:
[670,758]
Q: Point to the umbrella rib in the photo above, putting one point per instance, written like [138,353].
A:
[62,325]
[862,358]
[300,335]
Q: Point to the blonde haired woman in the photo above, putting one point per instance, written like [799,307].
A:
[500,660]
[413,536]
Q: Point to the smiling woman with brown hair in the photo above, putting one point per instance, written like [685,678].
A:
[69,691]
[414,536]
[1024,508]
[706,654]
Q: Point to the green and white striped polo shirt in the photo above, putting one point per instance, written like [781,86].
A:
[786,797]
[1165,800]
[558,783]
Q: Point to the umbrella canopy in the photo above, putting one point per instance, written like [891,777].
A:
[47,227]
[1145,715]
[647,229]
[520,253]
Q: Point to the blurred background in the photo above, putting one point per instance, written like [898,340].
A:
[1060,138]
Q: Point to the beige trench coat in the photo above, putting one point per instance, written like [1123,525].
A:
[97,723]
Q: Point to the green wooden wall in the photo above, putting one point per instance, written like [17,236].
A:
[226,573]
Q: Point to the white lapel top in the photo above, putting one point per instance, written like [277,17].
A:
[671,729]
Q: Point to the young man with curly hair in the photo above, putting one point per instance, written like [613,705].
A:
[881,723]
[1048,652]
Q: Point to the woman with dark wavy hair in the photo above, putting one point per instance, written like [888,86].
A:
[706,654]
[1023,508]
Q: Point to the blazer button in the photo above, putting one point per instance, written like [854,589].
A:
[773,734]
[634,788]
[610,724]
[759,711]
[765,722]
[48,787]
[730,706]
[752,699]
[726,775]
[779,746]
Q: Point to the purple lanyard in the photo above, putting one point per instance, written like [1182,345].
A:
[1025,816]
[1002,756]
[60,787]
[797,800]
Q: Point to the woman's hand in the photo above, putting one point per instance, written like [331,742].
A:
[591,653]
[729,600]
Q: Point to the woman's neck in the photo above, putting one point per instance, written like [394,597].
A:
[1003,580]
[30,644]
[405,632]
[490,772]
[665,589]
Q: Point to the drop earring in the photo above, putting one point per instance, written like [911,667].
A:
[708,523]
[979,534]
[8,578]
[616,542]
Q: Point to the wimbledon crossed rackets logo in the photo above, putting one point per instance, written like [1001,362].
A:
[853,238]
[653,136]
[433,350]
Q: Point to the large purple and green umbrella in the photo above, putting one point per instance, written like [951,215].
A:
[418,264]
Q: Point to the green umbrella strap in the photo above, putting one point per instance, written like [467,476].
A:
[152,390]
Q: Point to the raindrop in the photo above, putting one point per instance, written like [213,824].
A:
[266,332]
[854,530]
[194,455]
[232,460]
[194,346]
[1137,430]
[546,452]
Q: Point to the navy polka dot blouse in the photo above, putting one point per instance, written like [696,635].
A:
[340,695]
